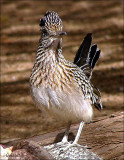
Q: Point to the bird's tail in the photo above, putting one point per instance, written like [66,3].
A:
[87,55]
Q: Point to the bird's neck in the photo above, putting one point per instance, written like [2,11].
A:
[47,61]
[48,55]
[49,48]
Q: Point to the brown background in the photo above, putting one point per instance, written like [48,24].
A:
[20,36]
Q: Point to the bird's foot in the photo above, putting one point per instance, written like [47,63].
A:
[70,145]
[58,145]
[62,143]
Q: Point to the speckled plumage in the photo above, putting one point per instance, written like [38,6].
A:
[59,87]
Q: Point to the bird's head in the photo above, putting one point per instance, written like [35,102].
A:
[51,25]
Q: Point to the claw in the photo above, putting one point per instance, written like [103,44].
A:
[71,145]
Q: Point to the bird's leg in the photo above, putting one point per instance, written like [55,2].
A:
[65,138]
[78,133]
[75,142]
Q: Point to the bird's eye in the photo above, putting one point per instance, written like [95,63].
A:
[42,22]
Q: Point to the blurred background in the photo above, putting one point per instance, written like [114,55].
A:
[20,33]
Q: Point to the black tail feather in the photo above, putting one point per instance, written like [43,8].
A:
[87,55]
[81,56]
[95,59]
[92,53]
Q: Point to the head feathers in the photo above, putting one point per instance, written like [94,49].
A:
[51,22]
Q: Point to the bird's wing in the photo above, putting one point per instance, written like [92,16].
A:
[97,95]
[89,91]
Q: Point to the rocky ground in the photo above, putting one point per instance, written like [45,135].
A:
[20,33]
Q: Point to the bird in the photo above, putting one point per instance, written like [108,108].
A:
[61,88]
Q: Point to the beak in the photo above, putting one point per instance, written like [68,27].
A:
[61,33]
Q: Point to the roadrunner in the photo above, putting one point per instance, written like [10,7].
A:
[60,87]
